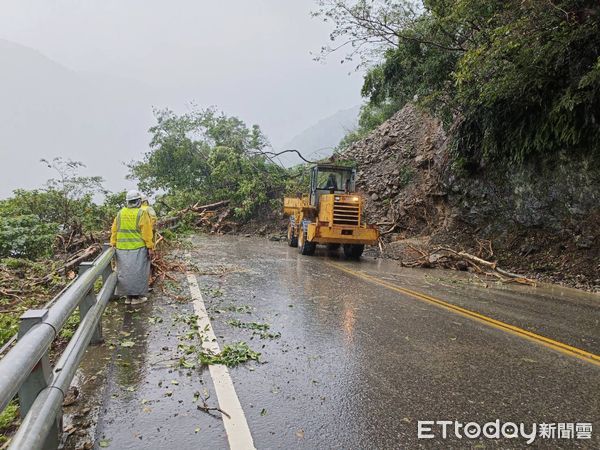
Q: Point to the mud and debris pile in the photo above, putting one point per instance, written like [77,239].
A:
[399,167]
[538,219]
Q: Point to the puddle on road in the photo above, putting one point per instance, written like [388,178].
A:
[110,372]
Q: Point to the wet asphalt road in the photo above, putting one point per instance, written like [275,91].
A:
[356,365]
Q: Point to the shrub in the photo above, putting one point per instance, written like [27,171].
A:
[26,237]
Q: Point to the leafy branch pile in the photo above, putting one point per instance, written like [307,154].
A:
[231,355]
[213,217]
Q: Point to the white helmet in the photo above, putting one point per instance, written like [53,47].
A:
[144,198]
[133,195]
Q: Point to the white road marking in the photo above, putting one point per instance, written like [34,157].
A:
[236,426]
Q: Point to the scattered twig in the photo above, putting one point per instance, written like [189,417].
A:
[207,409]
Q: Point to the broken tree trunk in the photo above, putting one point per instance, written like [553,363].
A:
[169,222]
[222,216]
[210,207]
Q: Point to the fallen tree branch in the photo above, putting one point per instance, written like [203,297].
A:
[171,221]
[77,258]
[489,264]
[446,257]
[204,406]
[288,151]
[207,409]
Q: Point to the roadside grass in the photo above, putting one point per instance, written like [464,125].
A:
[70,326]
[9,326]
[8,421]
[20,290]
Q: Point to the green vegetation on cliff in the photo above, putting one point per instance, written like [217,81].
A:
[516,80]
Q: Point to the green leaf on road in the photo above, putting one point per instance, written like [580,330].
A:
[184,363]
[231,355]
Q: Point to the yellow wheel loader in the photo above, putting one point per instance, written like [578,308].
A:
[330,214]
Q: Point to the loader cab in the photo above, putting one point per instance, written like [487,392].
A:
[330,179]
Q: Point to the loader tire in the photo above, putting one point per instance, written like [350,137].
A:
[292,238]
[353,251]
[305,247]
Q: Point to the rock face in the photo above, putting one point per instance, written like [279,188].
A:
[541,218]
[398,167]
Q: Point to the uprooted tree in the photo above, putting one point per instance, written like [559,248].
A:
[203,157]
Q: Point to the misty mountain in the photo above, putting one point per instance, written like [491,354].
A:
[318,140]
[48,110]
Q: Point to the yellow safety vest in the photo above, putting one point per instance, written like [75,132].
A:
[129,235]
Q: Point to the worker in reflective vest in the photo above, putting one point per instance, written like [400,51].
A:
[146,207]
[131,234]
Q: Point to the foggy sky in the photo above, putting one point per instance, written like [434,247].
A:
[250,58]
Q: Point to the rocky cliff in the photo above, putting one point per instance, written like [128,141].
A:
[541,220]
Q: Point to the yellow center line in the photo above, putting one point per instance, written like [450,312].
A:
[516,331]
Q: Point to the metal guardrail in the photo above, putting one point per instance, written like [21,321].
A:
[25,370]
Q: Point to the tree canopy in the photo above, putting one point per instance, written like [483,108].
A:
[35,223]
[207,156]
[516,79]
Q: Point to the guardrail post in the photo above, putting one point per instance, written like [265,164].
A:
[38,379]
[88,303]
[40,376]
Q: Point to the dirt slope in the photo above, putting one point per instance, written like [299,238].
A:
[538,220]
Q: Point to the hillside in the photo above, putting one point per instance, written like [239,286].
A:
[538,220]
